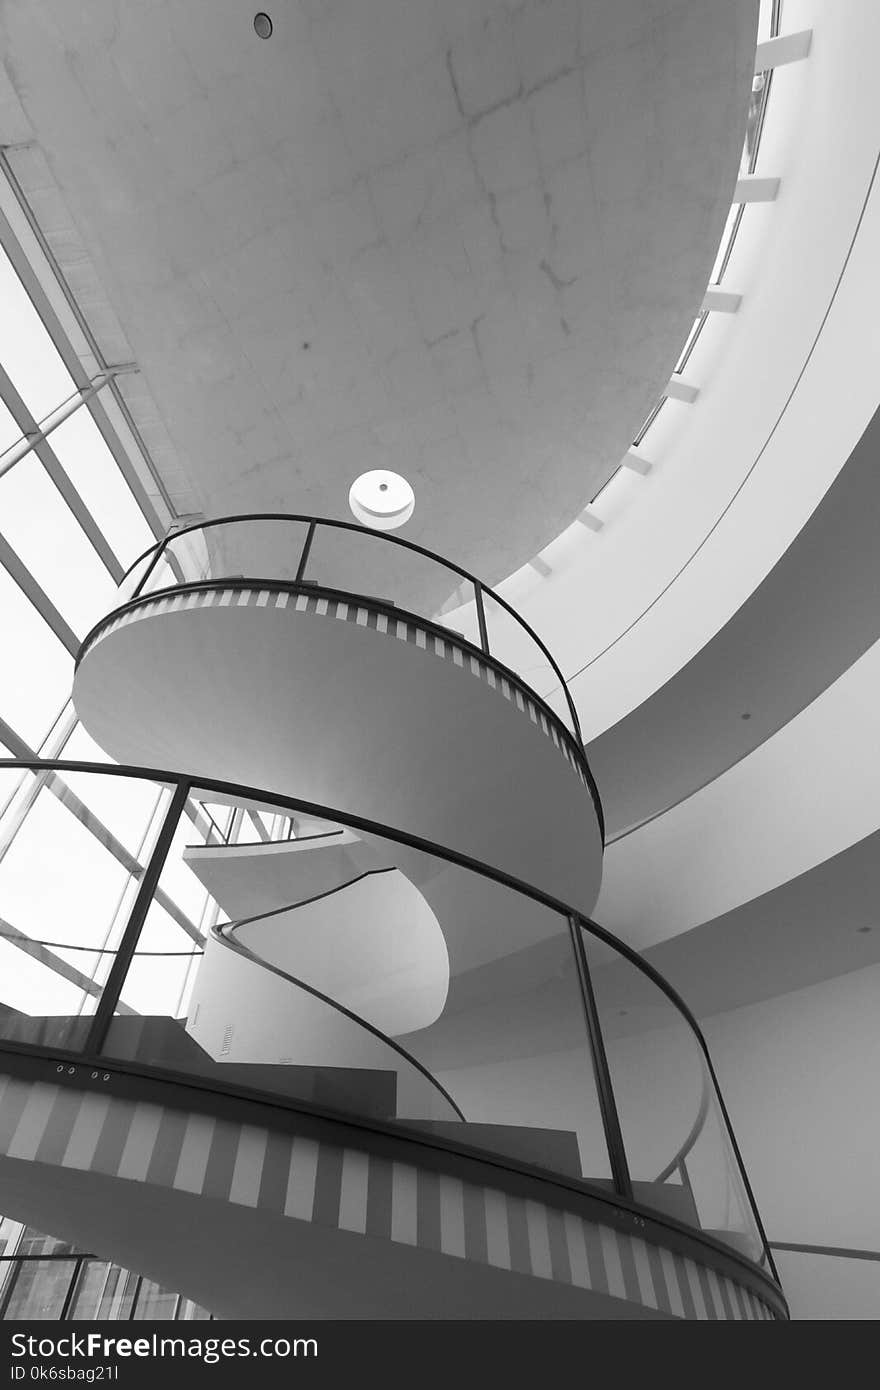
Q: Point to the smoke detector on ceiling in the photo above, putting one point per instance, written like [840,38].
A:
[381,500]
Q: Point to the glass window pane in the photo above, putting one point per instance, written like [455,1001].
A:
[129,807]
[95,474]
[730,225]
[39,1290]
[34,1242]
[104,1292]
[70,898]
[57,881]
[46,536]
[191,1312]
[9,1234]
[154,1303]
[9,431]
[26,350]
[80,747]
[38,671]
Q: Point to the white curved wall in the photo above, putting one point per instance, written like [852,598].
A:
[802,797]
[820,137]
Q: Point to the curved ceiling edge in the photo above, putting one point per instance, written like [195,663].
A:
[791,639]
[792,283]
[805,795]
[812,928]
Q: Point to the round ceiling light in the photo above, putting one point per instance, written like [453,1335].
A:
[381,500]
[262,25]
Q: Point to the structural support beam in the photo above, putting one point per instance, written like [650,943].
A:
[785,48]
[679,390]
[753,189]
[36,595]
[635,462]
[23,264]
[590,520]
[33,437]
[721,301]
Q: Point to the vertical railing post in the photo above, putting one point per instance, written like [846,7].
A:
[139,587]
[307,545]
[607,1104]
[119,970]
[481,617]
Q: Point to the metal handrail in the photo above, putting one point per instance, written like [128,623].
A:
[184,785]
[225,932]
[323,591]
[381,536]
[219,933]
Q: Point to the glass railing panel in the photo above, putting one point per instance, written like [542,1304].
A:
[363,563]
[67,885]
[459,613]
[514,646]
[199,998]
[677,1146]
[366,563]
[502,1024]
[246,549]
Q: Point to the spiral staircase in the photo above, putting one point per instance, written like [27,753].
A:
[403,1080]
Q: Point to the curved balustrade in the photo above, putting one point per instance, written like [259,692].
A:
[524,1033]
[343,560]
[422,1090]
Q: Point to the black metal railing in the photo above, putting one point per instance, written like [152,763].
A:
[341,559]
[546,1026]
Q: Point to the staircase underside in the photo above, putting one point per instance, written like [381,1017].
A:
[309,1218]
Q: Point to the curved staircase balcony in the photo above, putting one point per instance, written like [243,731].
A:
[492,1107]
[356,670]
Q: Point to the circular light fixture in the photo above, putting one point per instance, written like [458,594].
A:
[381,500]
[262,25]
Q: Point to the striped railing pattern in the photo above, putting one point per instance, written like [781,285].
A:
[404,630]
[351,1189]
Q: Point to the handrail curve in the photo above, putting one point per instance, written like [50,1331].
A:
[183,786]
[325,591]
[219,931]
[380,536]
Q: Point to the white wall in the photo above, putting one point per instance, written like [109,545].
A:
[799,1075]
[804,795]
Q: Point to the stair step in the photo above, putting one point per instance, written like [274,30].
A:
[672,1199]
[164,1042]
[548,1148]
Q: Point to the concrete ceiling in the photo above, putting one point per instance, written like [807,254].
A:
[461,239]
